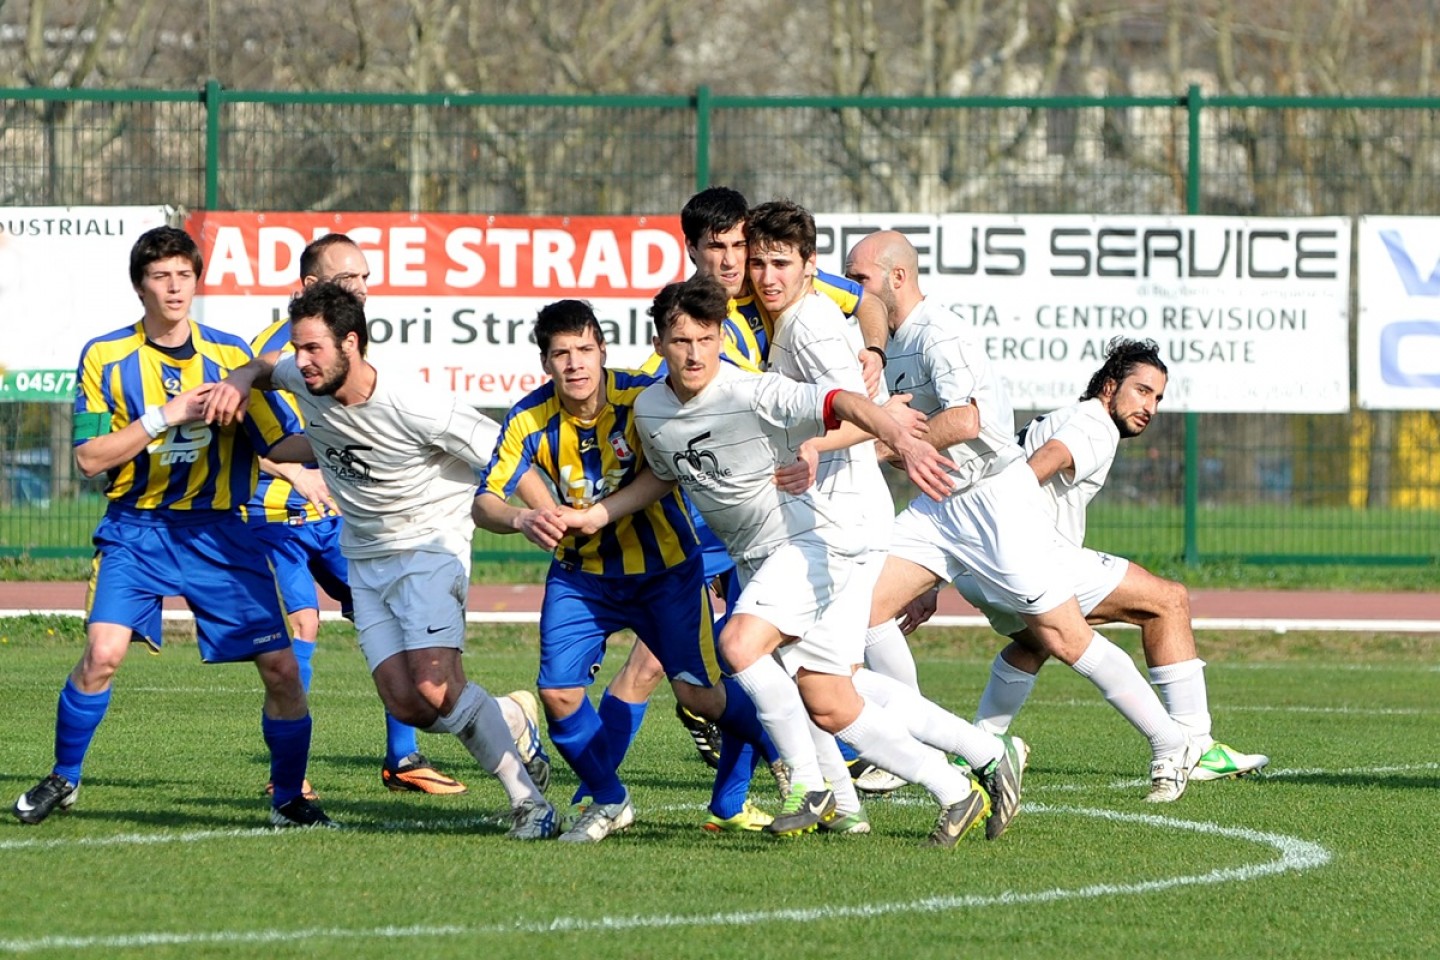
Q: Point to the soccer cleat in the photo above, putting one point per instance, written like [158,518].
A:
[1001,780]
[306,791]
[802,812]
[416,775]
[1170,775]
[1222,761]
[705,734]
[959,818]
[527,744]
[846,823]
[781,773]
[301,813]
[600,820]
[41,800]
[877,781]
[574,812]
[963,765]
[532,821]
[750,817]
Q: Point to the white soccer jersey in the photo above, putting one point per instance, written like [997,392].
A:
[814,343]
[401,465]
[724,445]
[1092,438]
[931,359]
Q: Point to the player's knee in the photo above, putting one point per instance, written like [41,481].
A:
[560,703]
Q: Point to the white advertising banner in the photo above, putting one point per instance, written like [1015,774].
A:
[1397,335]
[64,278]
[1251,315]
[452,297]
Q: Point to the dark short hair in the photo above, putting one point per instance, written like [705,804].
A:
[781,221]
[341,310]
[162,243]
[712,210]
[1122,356]
[310,256]
[565,316]
[702,299]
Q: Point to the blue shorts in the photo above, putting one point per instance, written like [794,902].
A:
[669,610]
[306,554]
[207,557]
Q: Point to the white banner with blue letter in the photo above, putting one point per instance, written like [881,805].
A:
[1397,337]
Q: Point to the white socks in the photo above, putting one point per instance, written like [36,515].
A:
[1182,688]
[887,652]
[929,722]
[881,738]
[782,713]
[1005,693]
[1115,675]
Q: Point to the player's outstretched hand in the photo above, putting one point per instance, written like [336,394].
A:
[797,477]
[919,610]
[227,403]
[925,467]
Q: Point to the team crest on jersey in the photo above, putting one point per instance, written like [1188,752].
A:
[348,465]
[621,448]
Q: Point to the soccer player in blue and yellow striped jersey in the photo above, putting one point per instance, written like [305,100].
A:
[643,572]
[301,530]
[171,529]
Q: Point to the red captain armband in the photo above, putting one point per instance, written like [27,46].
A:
[832,422]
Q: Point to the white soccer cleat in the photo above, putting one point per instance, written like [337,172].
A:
[527,741]
[600,820]
[1170,775]
[1222,762]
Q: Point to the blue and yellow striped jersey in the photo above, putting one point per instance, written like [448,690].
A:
[749,327]
[193,466]
[586,461]
[275,500]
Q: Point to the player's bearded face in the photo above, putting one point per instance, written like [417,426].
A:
[1136,399]
[328,379]
[323,363]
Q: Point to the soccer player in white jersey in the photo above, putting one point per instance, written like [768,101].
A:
[401,463]
[812,344]
[996,524]
[719,432]
[1071,451]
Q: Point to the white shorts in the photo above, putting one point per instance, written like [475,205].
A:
[999,531]
[821,598]
[410,600]
[1096,577]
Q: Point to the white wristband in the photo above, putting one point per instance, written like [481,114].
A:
[154,421]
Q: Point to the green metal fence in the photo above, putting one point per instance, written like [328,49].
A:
[1353,488]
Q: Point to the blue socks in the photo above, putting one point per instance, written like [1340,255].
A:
[621,722]
[77,716]
[581,740]
[289,743]
[399,741]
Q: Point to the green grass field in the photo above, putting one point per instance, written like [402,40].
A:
[167,853]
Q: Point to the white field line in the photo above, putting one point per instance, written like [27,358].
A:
[1294,855]
[1255,624]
